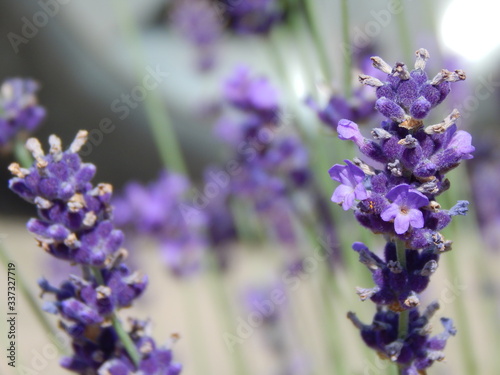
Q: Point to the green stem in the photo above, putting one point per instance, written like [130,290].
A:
[127,342]
[219,290]
[312,24]
[21,154]
[403,319]
[403,315]
[347,47]
[159,120]
[404,33]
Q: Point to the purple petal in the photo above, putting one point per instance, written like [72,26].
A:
[416,218]
[401,223]
[397,191]
[390,212]
[349,130]
[415,199]
[360,192]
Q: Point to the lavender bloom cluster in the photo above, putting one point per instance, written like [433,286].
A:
[253,16]
[272,165]
[74,224]
[157,211]
[393,192]
[359,107]
[199,22]
[19,109]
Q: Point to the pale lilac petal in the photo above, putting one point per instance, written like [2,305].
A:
[360,192]
[462,143]
[416,218]
[390,212]
[349,130]
[340,193]
[348,201]
[401,223]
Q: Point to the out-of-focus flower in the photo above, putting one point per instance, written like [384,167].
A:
[156,211]
[19,109]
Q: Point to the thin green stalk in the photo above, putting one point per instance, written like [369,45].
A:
[403,315]
[403,319]
[346,39]
[21,154]
[219,290]
[159,120]
[127,342]
[312,24]
[404,33]
[467,348]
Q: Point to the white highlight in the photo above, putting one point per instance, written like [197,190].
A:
[471,28]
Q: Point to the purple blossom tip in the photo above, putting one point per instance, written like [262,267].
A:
[461,208]
[351,178]
[348,130]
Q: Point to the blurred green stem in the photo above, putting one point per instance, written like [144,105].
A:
[21,154]
[404,33]
[312,24]
[159,120]
[346,39]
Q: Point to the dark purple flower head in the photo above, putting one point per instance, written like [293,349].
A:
[19,109]
[351,179]
[418,351]
[404,209]
[408,94]
[252,16]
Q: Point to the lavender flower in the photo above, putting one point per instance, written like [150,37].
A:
[351,178]
[19,109]
[156,211]
[74,224]
[252,16]
[199,22]
[405,208]
[397,186]
[359,107]
[271,164]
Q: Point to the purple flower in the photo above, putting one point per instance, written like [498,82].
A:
[253,16]
[404,209]
[349,130]
[198,21]
[19,109]
[250,93]
[160,210]
[74,224]
[351,178]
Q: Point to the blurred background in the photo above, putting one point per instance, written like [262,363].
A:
[89,56]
